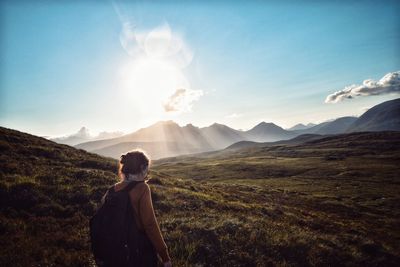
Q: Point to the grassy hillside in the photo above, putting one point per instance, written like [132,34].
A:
[47,192]
[332,201]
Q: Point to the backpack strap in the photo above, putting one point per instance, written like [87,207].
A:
[131,185]
[111,188]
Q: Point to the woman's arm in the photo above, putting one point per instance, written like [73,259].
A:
[150,224]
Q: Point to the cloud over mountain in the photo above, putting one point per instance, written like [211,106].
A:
[84,135]
[182,100]
[390,83]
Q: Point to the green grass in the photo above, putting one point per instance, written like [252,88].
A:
[291,206]
[331,202]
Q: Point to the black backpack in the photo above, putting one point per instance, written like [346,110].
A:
[115,238]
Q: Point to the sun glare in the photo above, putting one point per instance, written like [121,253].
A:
[148,82]
[154,82]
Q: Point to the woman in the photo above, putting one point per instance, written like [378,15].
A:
[134,166]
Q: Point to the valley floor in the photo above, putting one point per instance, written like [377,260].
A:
[271,207]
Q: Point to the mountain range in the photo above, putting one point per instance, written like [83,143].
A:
[83,135]
[301,126]
[167,138]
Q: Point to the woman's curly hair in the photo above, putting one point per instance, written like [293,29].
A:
[133,162]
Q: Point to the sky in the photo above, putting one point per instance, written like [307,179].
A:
[123,65]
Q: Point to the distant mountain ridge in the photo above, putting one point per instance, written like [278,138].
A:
[83,135]
[296,140]
[337,126]
[382,117]
[167,138]
[301,126]
[265,132]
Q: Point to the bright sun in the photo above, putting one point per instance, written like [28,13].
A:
[154,82]
[148,83]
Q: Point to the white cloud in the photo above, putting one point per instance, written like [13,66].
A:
[390,83]
[84,133]
[181,100]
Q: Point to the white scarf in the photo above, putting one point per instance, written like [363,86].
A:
[133,177]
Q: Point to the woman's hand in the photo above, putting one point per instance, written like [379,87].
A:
[168,264]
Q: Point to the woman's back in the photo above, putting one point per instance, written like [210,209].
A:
[135,194]
[140,197]
[134,166]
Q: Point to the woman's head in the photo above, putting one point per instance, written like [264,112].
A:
[133,162]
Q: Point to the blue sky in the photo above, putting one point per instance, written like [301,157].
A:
[64,65]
